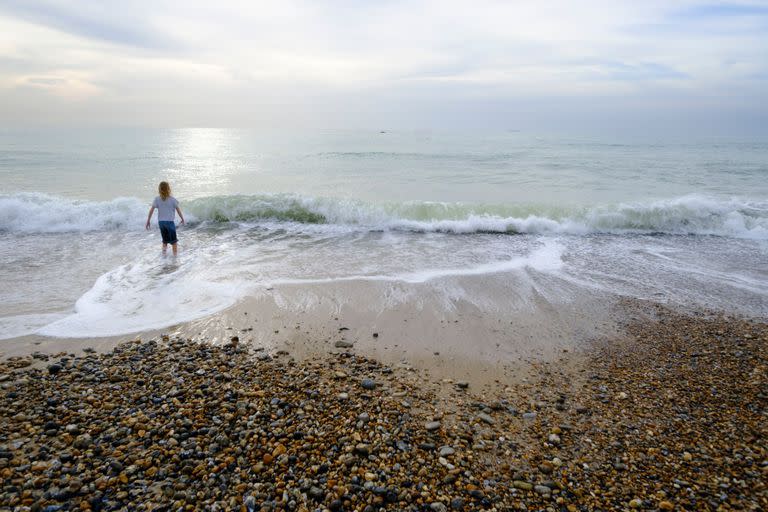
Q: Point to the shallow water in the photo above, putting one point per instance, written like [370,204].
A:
[679,221]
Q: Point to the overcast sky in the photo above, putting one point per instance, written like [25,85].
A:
[386,63]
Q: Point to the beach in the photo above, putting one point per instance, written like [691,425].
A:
[424,256]
[667,415]
[361,321]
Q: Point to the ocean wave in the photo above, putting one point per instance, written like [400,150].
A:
[692,214]
[42,213]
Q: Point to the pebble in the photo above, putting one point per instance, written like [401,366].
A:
[546,468]
[445,451]
[294,435]
[368,384]
[343,344]
[519,484]
[486,418]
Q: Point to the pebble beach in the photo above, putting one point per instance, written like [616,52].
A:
[671,416]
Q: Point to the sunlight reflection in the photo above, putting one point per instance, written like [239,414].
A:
[202,160]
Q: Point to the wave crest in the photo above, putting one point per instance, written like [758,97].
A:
[698,215]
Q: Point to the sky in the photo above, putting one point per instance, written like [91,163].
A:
[392,64]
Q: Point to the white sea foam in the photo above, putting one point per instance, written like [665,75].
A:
[23,325]
[148,294]
[692,214]
[42,213]
[545,259]
[145,295]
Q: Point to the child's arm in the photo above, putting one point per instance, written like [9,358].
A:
[149,217]
[181,215]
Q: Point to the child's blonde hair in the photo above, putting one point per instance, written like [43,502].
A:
[164,189]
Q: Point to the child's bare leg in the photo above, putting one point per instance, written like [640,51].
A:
[175,249]
[165,247]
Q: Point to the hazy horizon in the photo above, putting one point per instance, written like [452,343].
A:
[685,66]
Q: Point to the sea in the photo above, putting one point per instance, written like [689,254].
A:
[680,220]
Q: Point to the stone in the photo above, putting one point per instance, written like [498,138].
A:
[368,384]
[666,505]
[54,368]
[432,425]
[546,468]
[343,344]
[542,489]
[486,418]
[82,442]
[519,484]
[438,507]
[445,451]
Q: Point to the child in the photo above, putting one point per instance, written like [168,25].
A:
[166,206]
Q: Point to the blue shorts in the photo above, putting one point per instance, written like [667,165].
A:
[168,230]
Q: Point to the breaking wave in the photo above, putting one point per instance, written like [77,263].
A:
[692,214]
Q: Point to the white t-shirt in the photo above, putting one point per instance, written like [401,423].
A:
[166,208]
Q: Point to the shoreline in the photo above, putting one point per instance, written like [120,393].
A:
[669,416]
[398,324]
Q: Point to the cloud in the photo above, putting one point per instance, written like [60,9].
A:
[273,61]
[46,81]
[718,11]
[97,20]
[640,71]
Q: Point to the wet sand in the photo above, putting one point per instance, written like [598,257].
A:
[430,328]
